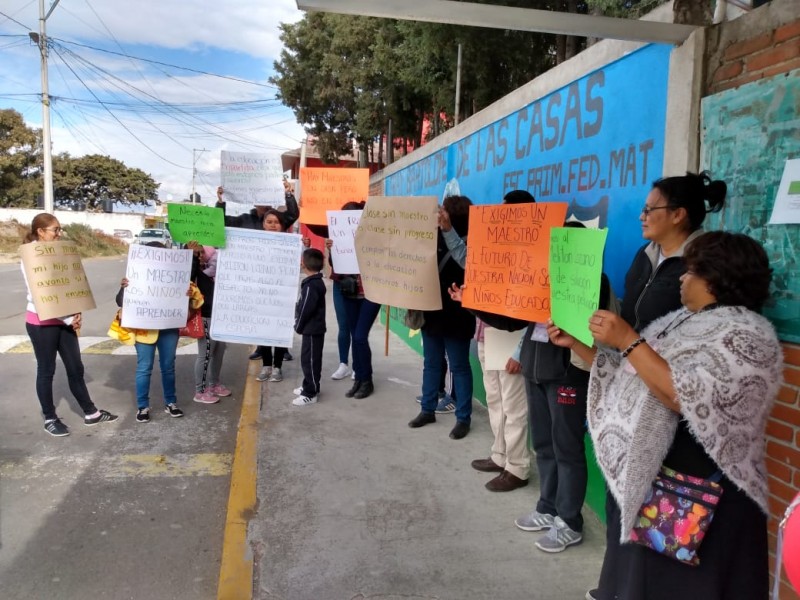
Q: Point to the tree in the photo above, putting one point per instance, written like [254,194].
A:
[93,178]
[345,77]
[20,171]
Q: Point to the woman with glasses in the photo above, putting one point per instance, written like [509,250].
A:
[57,336]
[672,217]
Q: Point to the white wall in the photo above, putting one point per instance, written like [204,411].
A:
[105,222]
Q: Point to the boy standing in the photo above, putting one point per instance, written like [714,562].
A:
[310,323]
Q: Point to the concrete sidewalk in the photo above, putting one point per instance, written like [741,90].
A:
[353,504]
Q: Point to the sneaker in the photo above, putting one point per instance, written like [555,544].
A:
[103,417]
[341,372]
[206,397]
[419,398]
[535,521]
[56,427]
[276,375]
[304,400]
[446,405]
[593,594]
[558,538]
[288,356]
[264,374]
[173,411]
[220,390]
[143,415]
[255,355]
[298,391]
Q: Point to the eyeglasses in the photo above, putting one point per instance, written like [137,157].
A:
[55,230]
[646,210]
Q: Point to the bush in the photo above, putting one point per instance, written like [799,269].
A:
[93,242]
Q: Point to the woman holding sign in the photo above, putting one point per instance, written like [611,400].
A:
[50,337]
[677,413]
[671,218]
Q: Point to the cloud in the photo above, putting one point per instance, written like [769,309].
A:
[246,26]
[235,37]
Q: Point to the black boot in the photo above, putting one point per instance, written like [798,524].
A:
[365,390]
[352,391]
[422,419]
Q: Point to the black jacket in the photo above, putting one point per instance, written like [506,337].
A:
[652,291]
[309,313]
[251,220]
[452,320]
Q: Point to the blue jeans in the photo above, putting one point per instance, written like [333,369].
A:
[361,315]
[434,348]
[167,345]
[341,321]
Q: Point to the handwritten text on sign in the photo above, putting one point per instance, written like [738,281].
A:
[330,189]
[258,276]
[342,225]
[56,279]
[508,250]
[576,265]
[396,250]
[158,279]
[251,178]
[198,223]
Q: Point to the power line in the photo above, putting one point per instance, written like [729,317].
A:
[10,18]
[163,64]
[125,127]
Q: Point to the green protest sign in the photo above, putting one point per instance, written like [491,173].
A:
[196,222]
[576,265]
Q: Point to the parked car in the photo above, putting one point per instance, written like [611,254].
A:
[125,235]
[154,235]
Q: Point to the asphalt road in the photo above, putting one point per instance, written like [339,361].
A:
[120,510]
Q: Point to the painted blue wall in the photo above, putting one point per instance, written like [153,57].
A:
[597,143]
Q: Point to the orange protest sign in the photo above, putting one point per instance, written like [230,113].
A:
[508,255]
[329,189]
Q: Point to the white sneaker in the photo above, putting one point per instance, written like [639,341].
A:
[276,375]
[304,401]
[341,372]
[264,374]
[298,391]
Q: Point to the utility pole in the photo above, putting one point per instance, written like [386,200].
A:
[194,168]
[458,86]
[40,39]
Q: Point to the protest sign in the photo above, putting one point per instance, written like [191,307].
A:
[498,347]
[576,266]
[258,276]
[56,279]
[508,248]
[158,279]
[342,225]
[330,189]
[251,178]
[396,250]
[196,222]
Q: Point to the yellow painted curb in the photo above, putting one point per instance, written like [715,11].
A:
[236,570]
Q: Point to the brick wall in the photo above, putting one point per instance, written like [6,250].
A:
[740,55]
[783,451]
[762,44]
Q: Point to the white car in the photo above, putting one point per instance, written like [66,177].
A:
[154,235]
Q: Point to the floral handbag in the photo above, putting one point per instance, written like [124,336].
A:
[677,513]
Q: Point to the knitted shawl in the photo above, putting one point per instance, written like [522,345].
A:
[726,370]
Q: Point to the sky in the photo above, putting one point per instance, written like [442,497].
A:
[155,117]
